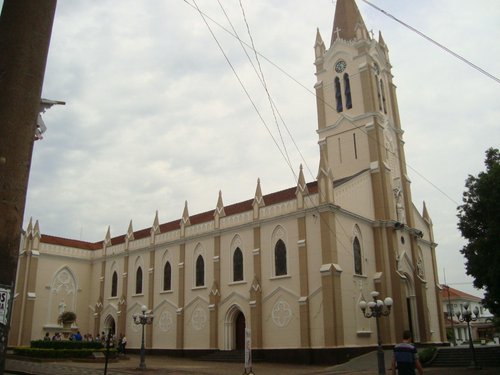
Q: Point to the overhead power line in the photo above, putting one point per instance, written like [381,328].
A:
[239,80]
[461,58]
[234,35]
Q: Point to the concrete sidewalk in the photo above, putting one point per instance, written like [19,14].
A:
[365,365]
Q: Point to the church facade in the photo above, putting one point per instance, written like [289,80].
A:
[289,266]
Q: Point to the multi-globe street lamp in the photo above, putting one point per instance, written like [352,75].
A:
[377,308]
[466,316]
[143,319]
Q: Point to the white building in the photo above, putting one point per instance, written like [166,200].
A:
[292,265]
[454,302]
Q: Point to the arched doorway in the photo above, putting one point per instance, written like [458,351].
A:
[234,329]
[239,331]
[411,307]
[109,324]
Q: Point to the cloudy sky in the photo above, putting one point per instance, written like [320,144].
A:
[155,115]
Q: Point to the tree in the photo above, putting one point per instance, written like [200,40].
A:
[479,222]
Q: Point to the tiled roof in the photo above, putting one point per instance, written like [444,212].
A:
[53,240]
[457,294]
[233,209]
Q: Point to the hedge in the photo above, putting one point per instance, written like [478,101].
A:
[59,353]
[59,345]
[427,354]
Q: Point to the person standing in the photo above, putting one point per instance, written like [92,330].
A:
[405,360]
[124,344]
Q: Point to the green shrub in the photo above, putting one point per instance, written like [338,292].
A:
[59,353]
[42,344]
[426,354]
[67,317]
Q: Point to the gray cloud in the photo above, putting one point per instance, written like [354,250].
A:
[155,116]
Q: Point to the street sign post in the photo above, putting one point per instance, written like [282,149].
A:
[6,297]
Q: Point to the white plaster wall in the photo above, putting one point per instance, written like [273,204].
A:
[165,325]
[47,302]
[197,324]
[281,320]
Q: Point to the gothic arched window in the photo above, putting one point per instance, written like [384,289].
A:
[379,96]
[200,271]
[338,94]
[114,284]
[280,258]
[167,277]
[358,264]
[138,281]
[347,84]
[383,96]
[237,265]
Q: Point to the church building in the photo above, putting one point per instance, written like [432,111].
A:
[290,266]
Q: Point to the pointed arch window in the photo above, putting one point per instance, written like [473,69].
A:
[280,258]
[338,95]
[358,264]
[347,85]
[200,271]
[383,96]
[237,265]
[138,281]
[379,95]
[114,284]
[167,277]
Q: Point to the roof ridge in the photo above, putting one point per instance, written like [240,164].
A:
[232,209]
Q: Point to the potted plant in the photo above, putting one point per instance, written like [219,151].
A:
[66,318]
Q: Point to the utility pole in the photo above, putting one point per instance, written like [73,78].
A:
[25,30]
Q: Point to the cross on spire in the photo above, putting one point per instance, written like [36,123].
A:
[337,31]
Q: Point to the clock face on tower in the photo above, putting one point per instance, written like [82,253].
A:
[340,66]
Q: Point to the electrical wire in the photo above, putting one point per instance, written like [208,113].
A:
[238,78]
[261,78]
[264,81]
[235,35]
[446,49]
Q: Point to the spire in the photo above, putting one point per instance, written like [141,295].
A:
[301,190]
[348,21]
[258,199]
[301,183]
[219,210]
[35,235]
[29,229]
[185,215]
[107,238]
[381,40]
[130,232]
[155,229]
[319,45]
[36,230]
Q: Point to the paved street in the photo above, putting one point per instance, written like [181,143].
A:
[365,365]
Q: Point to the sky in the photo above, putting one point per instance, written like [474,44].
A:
[155,116]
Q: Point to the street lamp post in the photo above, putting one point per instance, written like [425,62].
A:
[143,319]
[377,308]
[466,316]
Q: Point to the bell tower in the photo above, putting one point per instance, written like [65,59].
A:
[358,119]
[359,131]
